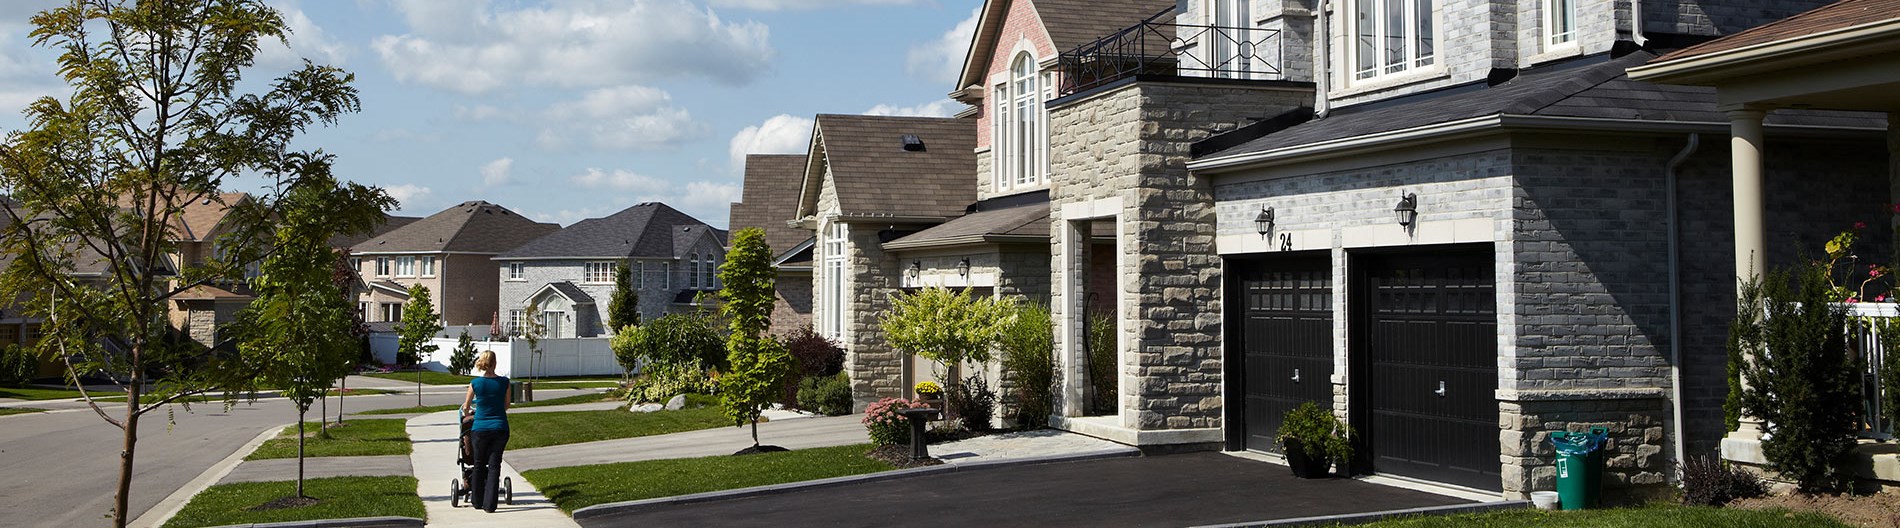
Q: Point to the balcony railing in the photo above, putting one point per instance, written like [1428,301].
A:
[1863,336]
[1158,46]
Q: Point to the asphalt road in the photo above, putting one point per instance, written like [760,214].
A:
[61,468]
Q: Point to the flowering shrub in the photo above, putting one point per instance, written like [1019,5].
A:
[928,388]
[885,423]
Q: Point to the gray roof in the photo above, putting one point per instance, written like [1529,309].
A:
[390,223]
[770,198]
[647,230]
[875,176]
[571,292]
[1587,87]
[468,227]
[1020,224]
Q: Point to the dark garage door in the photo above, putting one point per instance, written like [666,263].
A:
[1425,366]
[1287,341]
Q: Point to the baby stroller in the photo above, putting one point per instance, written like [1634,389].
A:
[459,493]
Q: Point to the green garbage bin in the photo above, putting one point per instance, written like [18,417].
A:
[1579,467]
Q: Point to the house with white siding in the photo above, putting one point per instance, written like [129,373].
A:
[568,275]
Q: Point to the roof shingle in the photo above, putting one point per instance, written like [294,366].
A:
[1839,15]
[646,230]
[875,175]
[770,198]
[468,227]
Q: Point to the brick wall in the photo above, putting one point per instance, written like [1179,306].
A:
[1020,24]
[792,303]
[1718,17]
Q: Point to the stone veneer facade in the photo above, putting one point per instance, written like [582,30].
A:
[1120,154]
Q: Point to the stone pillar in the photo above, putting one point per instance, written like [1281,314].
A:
[1745,158]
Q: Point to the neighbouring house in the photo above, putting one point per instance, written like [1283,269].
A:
[200,311]
[1461,225]
[769,197]
[1845,56]
[451,253]
[568,275]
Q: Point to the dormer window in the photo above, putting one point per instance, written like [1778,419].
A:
[1392,37]
[1019,135]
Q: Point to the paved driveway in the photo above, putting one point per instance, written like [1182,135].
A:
[1173,490]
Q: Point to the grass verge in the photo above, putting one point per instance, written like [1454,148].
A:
[18,410]
[569,400]
[1661,516]
[429,377]
[573,488]
[576,384]
[340,498]
[543,429]
[37,393]
[354,438]
[410,410]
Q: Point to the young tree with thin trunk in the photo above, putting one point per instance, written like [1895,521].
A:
[296,334]
[344,277]
[758,363]
[420,323]
[96,184]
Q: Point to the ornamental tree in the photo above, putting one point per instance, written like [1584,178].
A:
[97,182]
[759,364]
[945,327]
[623,309]
[419,325]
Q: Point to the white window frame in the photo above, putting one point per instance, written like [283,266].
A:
[405,266]
[712,270]
[425,266]
[695,271]
[392,312]
[666,275]
[1019,124]
[832,253]
[517,271]
[597,272]
[1230,16]
[1560,24]
[640,275]
[362,309]
[356,264]
[515,317]
[382,266]
[1411,61]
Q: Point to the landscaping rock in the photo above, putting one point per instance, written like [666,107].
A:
[646,407]
[678,402]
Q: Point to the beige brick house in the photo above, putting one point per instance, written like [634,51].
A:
[767,200]
[451,253]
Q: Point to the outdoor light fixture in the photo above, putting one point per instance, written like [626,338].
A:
[963,268]
[1407,210]
[916,269]
[1264,222]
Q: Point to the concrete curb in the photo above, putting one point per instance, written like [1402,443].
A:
[172,504]
[1363,518]
[616,508]
[360,522]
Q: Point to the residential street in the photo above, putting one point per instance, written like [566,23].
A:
[64,465]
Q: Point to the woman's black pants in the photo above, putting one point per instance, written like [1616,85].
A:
[487,475]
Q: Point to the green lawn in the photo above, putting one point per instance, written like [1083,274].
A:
[568,400]
[429,377]
[576,487]
[36,393]
[355,438]
[4,411]
[576,384]
[1646,517]
[572,427]
[412,410]
[341,498]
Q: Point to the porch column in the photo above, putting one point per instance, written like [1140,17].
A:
[1745,157]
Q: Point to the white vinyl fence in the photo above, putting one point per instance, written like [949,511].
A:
[581,356]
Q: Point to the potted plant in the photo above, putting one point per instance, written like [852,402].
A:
[929,392]
[1312,439]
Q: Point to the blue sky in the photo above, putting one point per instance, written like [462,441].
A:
[571,109]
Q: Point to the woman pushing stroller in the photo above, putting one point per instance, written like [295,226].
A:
[488,395]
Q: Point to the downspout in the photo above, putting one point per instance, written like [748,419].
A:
[1321,76]
[1675,292]
[1636,35]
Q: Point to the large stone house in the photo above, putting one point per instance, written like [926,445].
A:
[1459,224]
[768,198]
[450,253]
[568,275]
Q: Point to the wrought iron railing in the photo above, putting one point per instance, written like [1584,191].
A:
[1864,337]
[1158,46]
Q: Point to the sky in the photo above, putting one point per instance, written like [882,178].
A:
[569,109]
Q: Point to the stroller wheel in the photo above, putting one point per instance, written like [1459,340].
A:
[508,490]
[455,493]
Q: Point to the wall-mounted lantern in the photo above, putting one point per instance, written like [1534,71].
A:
[1264,222]
[963,268]
[1407,210]
[916,269]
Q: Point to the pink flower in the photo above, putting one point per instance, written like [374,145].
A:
[1881,298]
[1860,225]
[1853,300]
[1896,208]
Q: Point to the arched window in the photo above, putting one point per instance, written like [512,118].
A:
[1026,139]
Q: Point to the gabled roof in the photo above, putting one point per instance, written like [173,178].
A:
[1018,223]
[205,292]
[392,287]
[196,221]
[565,289]
[1069,24]
[390,223]
[646,230]
[770,198]
[875,176]
[1832,17]
[468,227]
[1593,87]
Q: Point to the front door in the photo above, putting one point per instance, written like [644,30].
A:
[1285,339]
[1425,365]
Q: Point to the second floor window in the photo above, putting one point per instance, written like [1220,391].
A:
[1392,36]
[1560,22]
[1018,137]
[405,266]
[382,266]
[694,270]
[516,271]
[666,275]
[427,266]
[598,272]
[639,275]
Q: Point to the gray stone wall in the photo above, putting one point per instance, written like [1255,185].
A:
[871,278]
[1131,144]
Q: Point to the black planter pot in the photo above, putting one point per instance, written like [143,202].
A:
[1304,466]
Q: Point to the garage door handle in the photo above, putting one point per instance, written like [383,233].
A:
[1441,389]
[1296,375]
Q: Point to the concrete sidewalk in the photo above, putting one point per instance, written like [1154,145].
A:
[433,461]
[798,433]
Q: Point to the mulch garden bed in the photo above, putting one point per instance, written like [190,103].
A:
[898,456]
[1880,510]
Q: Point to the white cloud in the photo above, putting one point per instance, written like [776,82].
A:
[480,112]
[941,60]
[472,47]
[701,195]
[620,180]
[497,172]
[623,117]
[780,5]
[781,134]
[408,196]
[569,216]
[307,40]
[938,108]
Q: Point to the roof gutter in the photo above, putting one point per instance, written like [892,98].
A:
[1747,60]
[965,240]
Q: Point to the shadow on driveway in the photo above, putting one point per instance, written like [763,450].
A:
[1173,490]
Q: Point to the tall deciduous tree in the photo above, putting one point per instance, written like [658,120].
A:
[419,325]
[154,121]
[758,363]
[297,333]
[623,309]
